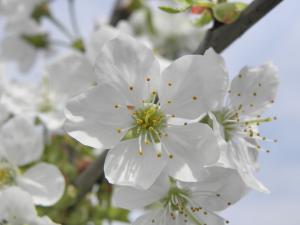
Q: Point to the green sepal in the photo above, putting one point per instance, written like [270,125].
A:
[204,19]
[228,12]
[131,134]
[40,11]
[40,41]
[78,45]
[173,10]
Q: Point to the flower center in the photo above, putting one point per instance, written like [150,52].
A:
[7,175]
[148,124]
[149,120]
[232,123]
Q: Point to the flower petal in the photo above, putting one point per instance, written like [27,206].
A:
[243,161]
[98,38]
[44,182]
[130,66]
[22,141]
[125,166]
[95,117]
[156,217]
[65,80]
[193,85]
[132,198]
[194,146]
[16,204]
[254,88]
[221,188]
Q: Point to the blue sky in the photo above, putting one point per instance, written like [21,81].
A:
[275,38]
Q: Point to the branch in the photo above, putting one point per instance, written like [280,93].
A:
[222,36]
[91,175]
[120,12]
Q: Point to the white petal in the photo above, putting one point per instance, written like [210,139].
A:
[195,145]
[255,88]
[157,217]
[239,154]
[98,38]
[93,119]
[127,63]
[4,113]
[132,198]
[194,85]
[16,205]
[66,80]
[53,120]
[15,49]
[44,182]
[225,182]
[211,218]
[125,166]
[22,140]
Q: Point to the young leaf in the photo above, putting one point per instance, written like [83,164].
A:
[172,10]
[228,12]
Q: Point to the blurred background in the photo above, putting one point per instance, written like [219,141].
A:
[274,38]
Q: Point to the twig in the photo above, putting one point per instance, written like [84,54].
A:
[120,12]
[221,37]
[91,175]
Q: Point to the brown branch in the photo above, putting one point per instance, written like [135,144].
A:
[222,36]
[91,175]
[120,12]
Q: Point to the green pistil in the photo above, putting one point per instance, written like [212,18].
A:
[148,122]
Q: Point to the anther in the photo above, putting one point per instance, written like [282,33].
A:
[169,84]
[148,79]
[254,94]
[130,88]
[194,98]
[118,130]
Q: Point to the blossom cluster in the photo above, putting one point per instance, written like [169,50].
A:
[183,139]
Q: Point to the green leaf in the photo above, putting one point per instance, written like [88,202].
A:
[204,19]
[204,4]
[228,12]
[172,10]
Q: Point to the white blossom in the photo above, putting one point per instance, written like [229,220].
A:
[132,108]
[173,202]
[17,208]
[21,143]
[22,43]
[251,93]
